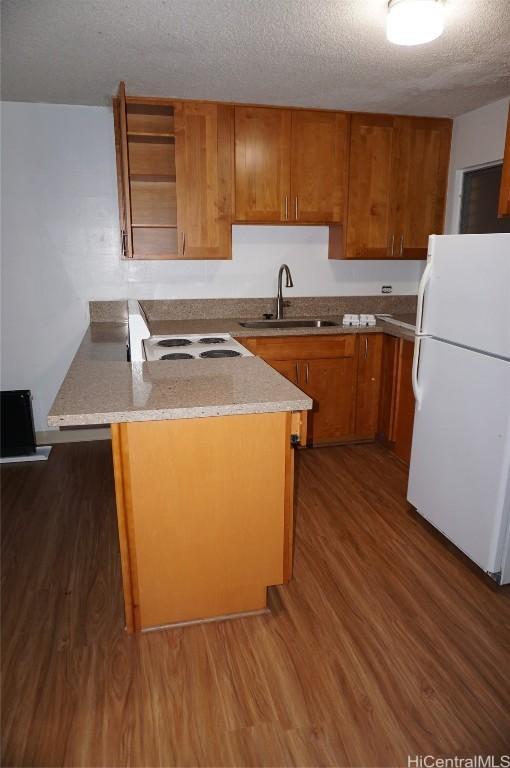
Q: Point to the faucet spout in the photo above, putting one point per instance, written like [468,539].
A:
[288,284]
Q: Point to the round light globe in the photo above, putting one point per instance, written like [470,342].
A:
[413,22]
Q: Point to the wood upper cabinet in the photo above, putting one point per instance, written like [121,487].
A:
[262,164]
[504,190]
[175,174]
[372,175]
[424,149]
[319,154]
[397,186]
[290,165]
[204,166]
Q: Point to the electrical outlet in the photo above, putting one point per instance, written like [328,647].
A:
[386,289]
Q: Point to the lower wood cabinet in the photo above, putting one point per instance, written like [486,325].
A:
[396,415]
[340,373]
[331,383]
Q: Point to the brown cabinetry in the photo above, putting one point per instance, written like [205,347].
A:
[504,190]
[340,373]
[188,169]
[262,164]
[396,415]
[174,165]
[204,139]
[397,186]
[370,347]
[290,165]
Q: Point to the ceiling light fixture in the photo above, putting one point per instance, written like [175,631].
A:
[413,22]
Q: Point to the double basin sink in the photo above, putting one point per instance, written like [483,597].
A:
[312,323]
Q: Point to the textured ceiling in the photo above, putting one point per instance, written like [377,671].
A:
[324,53]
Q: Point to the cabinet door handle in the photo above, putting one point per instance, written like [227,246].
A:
[123,242]
[307,372]
[296,208]
[392,245]
[183,243]
[297,371]
[286,208]
[401,251]
[366,347]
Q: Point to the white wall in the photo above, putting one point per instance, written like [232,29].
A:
[478,139]
[60,248]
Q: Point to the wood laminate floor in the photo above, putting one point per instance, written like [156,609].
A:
[386,643]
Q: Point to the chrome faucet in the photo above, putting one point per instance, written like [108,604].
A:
[288,284]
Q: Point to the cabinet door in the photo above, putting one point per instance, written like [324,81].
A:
[424,149]
[369,384]
[319,152]
[288,368]
[121,147]
[204,159]
[389,371]
[504,190]
[372,179]
[331,383]
[262,164]
[404,404]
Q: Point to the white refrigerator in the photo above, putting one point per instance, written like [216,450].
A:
[459,476]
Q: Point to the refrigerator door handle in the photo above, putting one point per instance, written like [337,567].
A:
[416,361]
[421,296]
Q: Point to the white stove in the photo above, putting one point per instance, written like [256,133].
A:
[193,347]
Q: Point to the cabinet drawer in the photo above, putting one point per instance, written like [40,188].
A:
[301,347]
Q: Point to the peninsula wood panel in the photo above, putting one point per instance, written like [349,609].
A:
[368,386]
[208,548]
[262,164]
[319,161]
[424,150]
[204,167]
[504,190]
[372,179]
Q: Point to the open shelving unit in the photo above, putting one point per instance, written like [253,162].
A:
[152,179]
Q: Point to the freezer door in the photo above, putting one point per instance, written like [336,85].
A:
[460,456]
[467,294]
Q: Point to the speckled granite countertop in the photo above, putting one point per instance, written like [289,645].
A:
[101,387]
[234,327]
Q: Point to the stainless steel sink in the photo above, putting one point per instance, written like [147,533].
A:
[314,323]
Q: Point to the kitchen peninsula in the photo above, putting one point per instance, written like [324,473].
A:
[203,466]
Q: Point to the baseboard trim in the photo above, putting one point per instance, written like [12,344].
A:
[79,435]
[41,454]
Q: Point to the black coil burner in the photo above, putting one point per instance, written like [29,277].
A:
[212,340]
[177,356]
[220,353]
[174,343]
